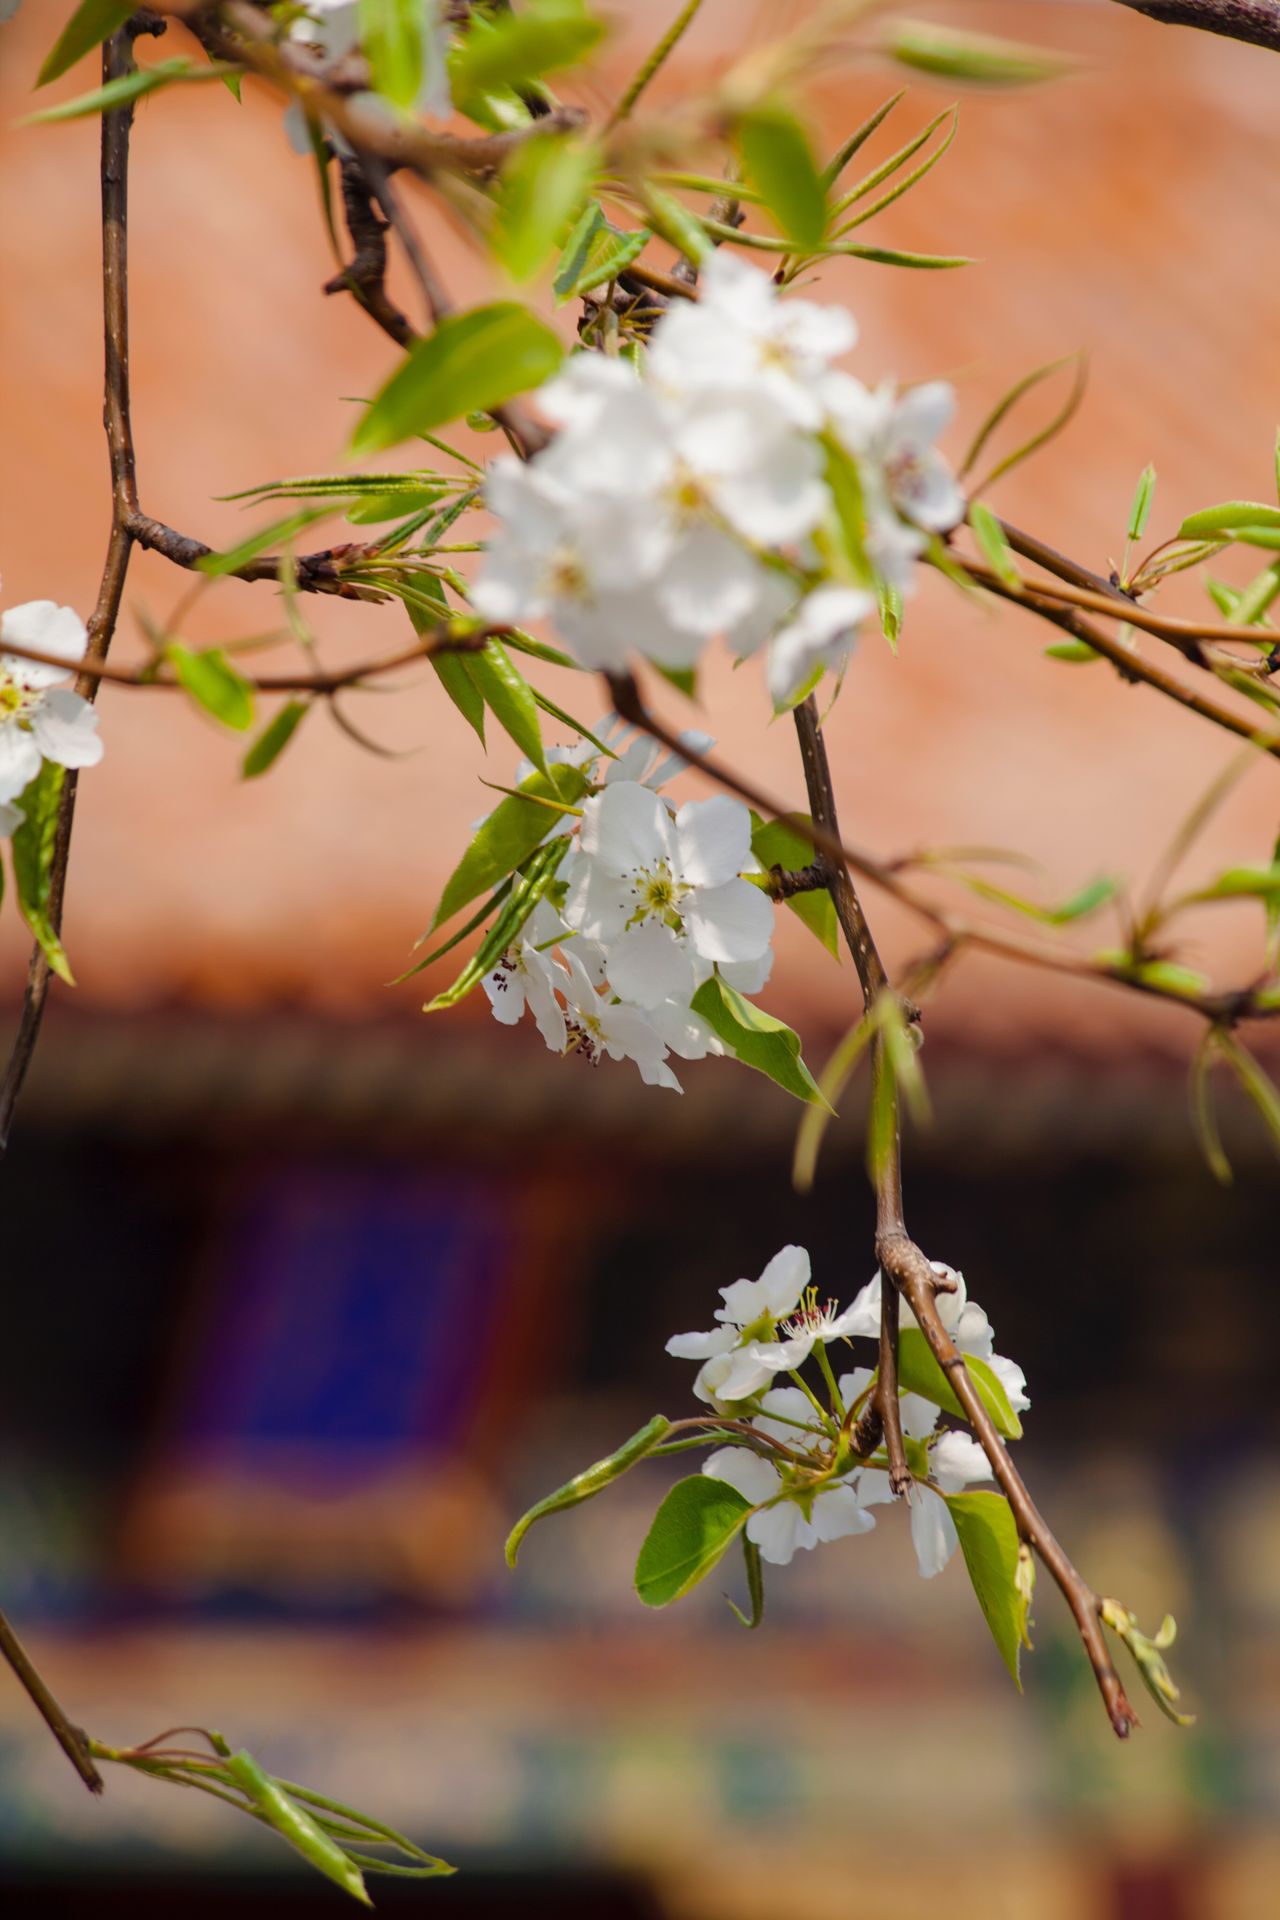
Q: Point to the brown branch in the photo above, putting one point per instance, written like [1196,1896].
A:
[874,982]
[117,60]
[365,275]
[1257,22]
[73,1740]
[1133,667]
[913,1277]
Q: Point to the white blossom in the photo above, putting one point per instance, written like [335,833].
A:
[40,718]
[598,1025]
[963,1319]
[664,895]
[821,634]
[768,1326]
[526,975]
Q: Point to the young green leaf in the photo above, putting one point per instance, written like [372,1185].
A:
[775,844]
[1203,1114]
[454,673]
[595,252]
[591,1481]
[515,827]
[92,22]
[276,533]
[528,886]
[274,738]
[1149,1654]
[1077,651]
[755,1586]
[126,87]
[919,1372]
[1140,509]
[778,160]
[471,363]
[991,1548]
[952,53]
[391,39]
[297,1826]
[989,535]
[509,697]
[542,187]
[690,1533]
[513,50]
[757,1039]
[1226,518]
[213,684]
[32,848]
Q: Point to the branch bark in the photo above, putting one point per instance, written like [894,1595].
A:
[1257,22]
[117,60]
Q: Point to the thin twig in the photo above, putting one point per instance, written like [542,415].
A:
[73,1740]
[117,60]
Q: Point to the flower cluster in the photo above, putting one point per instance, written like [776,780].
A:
[804,1483]
[739,485]
[649,901]
[40,717]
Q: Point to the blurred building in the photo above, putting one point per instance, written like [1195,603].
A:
[309,1296]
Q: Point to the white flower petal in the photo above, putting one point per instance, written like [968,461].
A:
[649,965]
[713,840]
[956,1460]
[838,1513]
[701,1346]
[746,1472]
[730,923]
[933,1533]
[626,828]
[65,728]
[19,759]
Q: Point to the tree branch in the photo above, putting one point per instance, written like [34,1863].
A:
[1256,22]
[117,60]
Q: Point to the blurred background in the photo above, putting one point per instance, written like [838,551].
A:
[306,1297]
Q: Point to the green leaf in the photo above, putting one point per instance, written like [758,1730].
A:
[992,1554]
[32,847]
[126,87]
[515,49]
[978,58]
[690,1533]
[453,671]
[510,697]
[755,1586]
[1262,883]
[1140,509]
[757,1039]
[595,252]
[213,684]
[591,1481]
[858,139]
[528,886]
[919,1372]
[775,844]
[274,738]
[292,1821]
[472,363]
[277,533]
[92,22]
[1077,651]
[1254,1081]
[1258,596]
[391,38]
[541,190]
[680,228]
[779,162]
[989,535]
[509,835]
[1203,1113]
[1226,517]
[1149,1654]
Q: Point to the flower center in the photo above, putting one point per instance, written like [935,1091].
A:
[14,699]
[566,575]
[811,1316]
[657,895]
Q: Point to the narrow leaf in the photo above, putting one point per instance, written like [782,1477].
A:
[274,738]
[778,160]
[92,22]
[515,827]
[591,1481]
[510,698]
[541,190]
[32,847]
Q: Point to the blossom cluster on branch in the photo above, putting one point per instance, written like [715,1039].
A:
[41,718]
[735,482]
[645,903]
